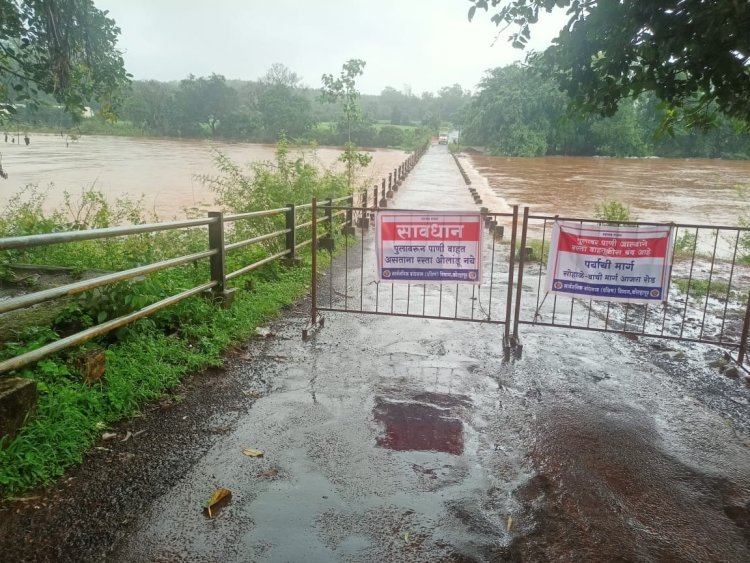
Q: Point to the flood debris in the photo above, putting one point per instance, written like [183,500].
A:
[264,332]
[219,499]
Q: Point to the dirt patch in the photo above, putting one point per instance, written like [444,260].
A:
[604,486]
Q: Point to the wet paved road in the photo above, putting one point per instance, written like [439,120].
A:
[392,439]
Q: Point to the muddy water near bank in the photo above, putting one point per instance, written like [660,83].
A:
[163,170]
[678,190]
[393,439]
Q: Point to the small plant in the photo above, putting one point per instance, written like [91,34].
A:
[685,243]
[699,289]
[613,211]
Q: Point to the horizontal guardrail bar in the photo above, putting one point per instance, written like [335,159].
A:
[632,332]
[645,223]
[309,223]
[98,330]
[257,264]
[254,214]
[27,241]
[92,283]
[261,238]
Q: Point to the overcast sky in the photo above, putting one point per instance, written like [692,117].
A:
[425,44]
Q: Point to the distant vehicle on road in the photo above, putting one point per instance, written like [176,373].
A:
[443,139]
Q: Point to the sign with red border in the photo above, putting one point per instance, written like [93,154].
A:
[429,246]
[624,264]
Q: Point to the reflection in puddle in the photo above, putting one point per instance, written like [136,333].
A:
[422,423]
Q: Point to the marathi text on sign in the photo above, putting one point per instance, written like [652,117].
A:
[628,264]
[433,246]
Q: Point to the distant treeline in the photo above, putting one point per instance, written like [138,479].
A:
[518,112]
[263,110]
[515,111]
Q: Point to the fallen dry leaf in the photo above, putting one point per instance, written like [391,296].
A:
[107,436]
[218,500]
[252,452]
[510,522]
[127,437]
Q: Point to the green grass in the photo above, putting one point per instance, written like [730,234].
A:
[699,289]
[141,367]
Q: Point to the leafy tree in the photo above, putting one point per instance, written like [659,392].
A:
[204,101]
[65,48]
[280,75]
[514,112]
[150,105]
[693,54]
[432,122]
[343,90]
[450,101]
[285,110]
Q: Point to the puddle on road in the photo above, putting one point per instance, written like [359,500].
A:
[426,422]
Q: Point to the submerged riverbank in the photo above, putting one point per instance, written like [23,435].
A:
[659,190]
[166,172]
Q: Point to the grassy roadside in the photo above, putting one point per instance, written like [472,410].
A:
[141,367]
[144,360]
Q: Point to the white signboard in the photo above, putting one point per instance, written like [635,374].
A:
[625,264]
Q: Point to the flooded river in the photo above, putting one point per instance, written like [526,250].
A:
[679,190]
[163,170]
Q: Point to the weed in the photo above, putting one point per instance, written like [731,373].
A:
[613,212]
[699,288]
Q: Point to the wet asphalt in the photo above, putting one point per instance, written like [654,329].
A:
[406,439]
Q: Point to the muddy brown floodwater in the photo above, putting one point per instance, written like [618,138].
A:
[163,170]
[658,189]
[410,440]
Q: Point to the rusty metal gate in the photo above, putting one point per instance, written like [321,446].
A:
[707,302]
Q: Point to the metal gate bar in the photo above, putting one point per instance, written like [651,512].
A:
[704,289]
[438,301]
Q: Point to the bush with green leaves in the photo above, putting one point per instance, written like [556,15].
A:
[613,211]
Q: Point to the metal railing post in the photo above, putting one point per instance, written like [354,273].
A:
[327,242]
[519,285]
[313,270]
[291,259]
[511,265]
[745,330]
[348,229]
[364,221]
[218,259]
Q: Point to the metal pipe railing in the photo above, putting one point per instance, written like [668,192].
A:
[86,285]
[98,330]
[216,253]
[255,240]
[13,243]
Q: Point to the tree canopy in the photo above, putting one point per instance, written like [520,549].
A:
[63,48]
[694,55]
